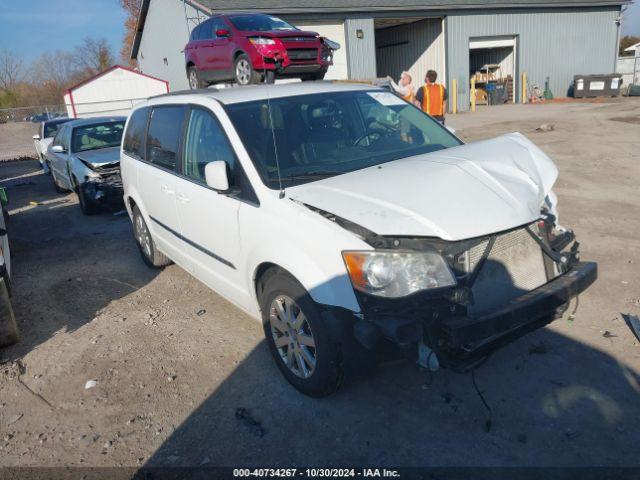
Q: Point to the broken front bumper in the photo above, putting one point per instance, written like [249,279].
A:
[104,191]
[466,338]
[459,339]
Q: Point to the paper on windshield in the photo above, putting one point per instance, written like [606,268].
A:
[386,98]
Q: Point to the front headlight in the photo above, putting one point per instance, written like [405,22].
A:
[397,274]
[262,41]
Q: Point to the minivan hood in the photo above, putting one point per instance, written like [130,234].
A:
[454,194]
[100,157]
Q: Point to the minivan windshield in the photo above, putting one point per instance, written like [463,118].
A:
[327,134]
[259,23]
[98,135]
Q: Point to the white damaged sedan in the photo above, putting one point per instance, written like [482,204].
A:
[342,217]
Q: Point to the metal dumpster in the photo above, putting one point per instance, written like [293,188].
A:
[587,86]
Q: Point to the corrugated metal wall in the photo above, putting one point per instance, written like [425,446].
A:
[166,32]
[361,52]
[415,47]
[559,43]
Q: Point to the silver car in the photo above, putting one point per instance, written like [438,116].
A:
[84,157]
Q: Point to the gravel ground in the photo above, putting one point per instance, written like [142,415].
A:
[173,362]
[16,141]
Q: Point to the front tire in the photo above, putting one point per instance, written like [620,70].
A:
[243,72]
[150,254]
[87,206]
[306,348]
[195,82]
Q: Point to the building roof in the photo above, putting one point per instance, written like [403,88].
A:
[633,48]
[111,69]
[365,6]
[313,6]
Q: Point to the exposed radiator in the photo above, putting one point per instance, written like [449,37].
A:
[514,267]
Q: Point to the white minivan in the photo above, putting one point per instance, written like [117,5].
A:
[342,216]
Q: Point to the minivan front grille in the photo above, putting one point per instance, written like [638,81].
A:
[298,54]
[515,265]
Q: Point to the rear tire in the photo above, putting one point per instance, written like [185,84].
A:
[150,254]
[309,348]
[195,82]
[243,72]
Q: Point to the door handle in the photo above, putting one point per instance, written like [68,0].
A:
[166,190]
[183,198]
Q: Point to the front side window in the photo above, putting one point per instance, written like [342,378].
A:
[133,143]
[96,136]
[206,142]
[259,23]
[327,134]
[165,129]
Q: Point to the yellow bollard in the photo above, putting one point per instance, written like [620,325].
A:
[523,98]
[473,94]
[455,96]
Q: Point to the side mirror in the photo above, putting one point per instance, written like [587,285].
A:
[57,149]
[36,137]
[215,174]
[451,129]
[223,33]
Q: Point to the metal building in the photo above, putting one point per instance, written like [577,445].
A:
[113,91]
[547,39]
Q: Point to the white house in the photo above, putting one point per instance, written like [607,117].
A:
[112,92]
[634,48]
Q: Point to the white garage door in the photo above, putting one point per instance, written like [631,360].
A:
[335,32]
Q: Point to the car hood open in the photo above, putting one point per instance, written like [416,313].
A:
[100,157]
[458,193]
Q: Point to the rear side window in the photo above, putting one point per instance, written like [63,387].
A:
[133,143]
[195,33]
[206,31]
[163,139]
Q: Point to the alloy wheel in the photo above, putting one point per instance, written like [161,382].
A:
[292,336]
[193,79]
[243,72]
[142,236]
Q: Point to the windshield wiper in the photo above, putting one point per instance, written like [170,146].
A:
[311,175]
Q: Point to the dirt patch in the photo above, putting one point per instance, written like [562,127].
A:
[633,119]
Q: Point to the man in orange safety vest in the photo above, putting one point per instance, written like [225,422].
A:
[432,97]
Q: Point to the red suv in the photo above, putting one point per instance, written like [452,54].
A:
[248,48]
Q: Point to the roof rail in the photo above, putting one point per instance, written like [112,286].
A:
[186,92]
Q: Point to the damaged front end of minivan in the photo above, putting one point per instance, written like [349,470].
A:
[483,293]
[443,298]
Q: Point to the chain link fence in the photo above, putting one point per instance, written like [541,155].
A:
[26,114]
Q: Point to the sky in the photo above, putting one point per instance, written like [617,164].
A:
[30,27]
[631,24]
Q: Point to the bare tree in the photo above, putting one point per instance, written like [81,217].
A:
[51,74]
[11,70]
[132,8]
[93,56]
